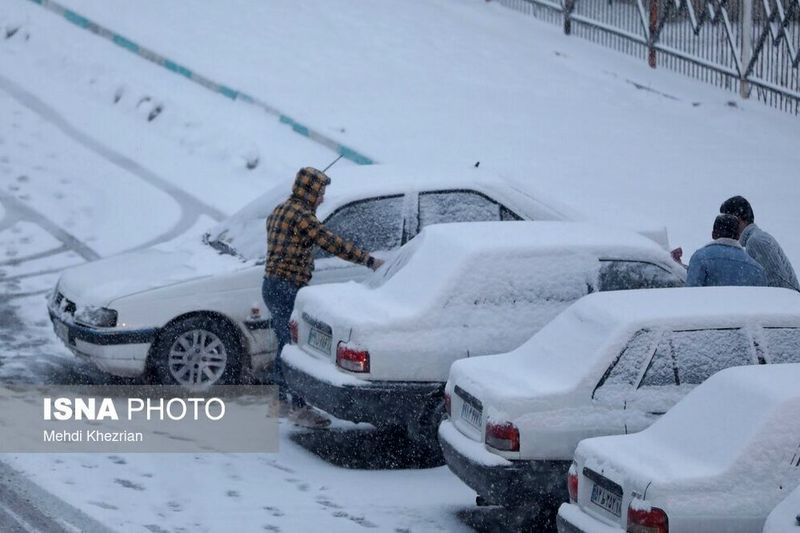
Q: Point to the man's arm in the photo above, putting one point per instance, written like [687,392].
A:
[333,244]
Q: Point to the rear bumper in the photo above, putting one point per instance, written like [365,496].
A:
[121,353]
[349,398]
[571,519]
[500,481]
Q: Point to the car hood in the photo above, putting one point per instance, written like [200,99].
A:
[101,282]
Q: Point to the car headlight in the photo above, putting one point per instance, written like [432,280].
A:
[100,317]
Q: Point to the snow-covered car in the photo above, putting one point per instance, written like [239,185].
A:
[380,351]
[785,517]
[610,364]
[192,311]
[719,461]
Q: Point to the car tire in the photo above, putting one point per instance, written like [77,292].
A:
[197,353]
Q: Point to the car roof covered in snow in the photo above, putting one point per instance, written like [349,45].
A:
[353,182]
[691,305]
[444,259]
[245,232]
[546,236]
[739,422]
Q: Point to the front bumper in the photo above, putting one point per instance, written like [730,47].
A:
[350,398]
[500,481]
[571,519]
[121,353]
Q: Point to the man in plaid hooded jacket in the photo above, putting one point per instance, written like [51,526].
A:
[292,232]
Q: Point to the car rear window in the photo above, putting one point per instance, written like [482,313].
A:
[623,274]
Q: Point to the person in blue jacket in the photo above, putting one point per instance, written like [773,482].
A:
[723,261]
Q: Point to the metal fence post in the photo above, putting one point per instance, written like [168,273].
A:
[569,5]
[651,44]
[746,30]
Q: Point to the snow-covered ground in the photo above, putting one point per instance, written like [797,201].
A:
[102,152]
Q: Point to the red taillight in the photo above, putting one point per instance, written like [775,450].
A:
[293,332]
[572,483]
[504,437]
[447,403]
[352,359]
[645,519]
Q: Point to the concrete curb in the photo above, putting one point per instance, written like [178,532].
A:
[176,68]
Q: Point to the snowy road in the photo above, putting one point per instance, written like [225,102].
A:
[26,508]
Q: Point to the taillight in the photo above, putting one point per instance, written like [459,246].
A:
[447,403]
[352,359]
[293,331]
[504,437]
[645,519]
[572,483]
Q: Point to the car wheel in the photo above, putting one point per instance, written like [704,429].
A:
[197,353]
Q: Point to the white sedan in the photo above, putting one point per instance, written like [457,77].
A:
[380,352]
[192,311]
[610,364]
[719,461]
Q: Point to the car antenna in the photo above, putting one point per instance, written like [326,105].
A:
[334,162]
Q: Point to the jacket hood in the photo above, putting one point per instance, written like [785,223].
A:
[308,184]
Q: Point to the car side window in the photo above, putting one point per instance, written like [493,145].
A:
[373,225]
[661,370]
[701,353]
[438,207]
[782,344]
[621,274]
[624,372]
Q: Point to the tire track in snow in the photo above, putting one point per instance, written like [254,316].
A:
[191,208]
[24,212]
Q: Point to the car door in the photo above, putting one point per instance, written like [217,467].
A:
[373,224]
[458,205]
[682,360]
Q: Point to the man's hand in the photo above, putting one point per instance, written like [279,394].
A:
[376,263]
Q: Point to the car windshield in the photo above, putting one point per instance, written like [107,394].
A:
[244,233]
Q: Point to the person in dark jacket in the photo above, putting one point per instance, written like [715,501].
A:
[724,261]
[760,245]
[292,232]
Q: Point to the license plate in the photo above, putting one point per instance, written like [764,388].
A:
[319,340]
[62,331]
[471,415]
[607,500]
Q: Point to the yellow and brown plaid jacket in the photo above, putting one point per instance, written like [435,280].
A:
[293,229]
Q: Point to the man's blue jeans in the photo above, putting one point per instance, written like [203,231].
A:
[279,296]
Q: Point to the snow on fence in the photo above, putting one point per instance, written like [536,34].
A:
[748,46]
